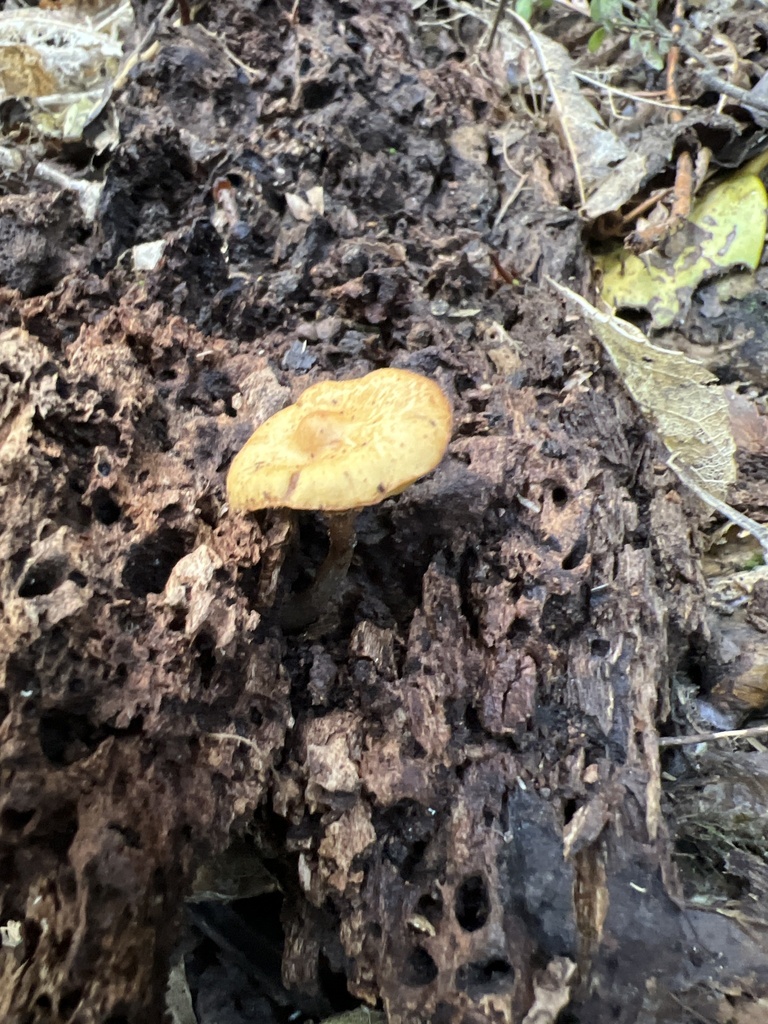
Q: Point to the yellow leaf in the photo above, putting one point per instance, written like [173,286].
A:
[726,229]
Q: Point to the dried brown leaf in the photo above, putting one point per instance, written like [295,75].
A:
[678,394]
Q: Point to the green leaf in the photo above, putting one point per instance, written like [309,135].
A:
[649,48]
[593,44]
[604,11]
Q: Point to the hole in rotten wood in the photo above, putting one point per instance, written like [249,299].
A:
[69,1002]
[15,820]
[575,556]
[149,564]
[105,508]
[569,809]
[559,496]
[420,968]
[472,904]
[478,979]
[43,577]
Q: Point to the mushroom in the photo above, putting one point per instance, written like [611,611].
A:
[341,446]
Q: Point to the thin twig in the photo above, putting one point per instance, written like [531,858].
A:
[130,61]
[683,194]
[502,4]
[504,208]
[706,737]
[235,739]
[634,96]
[87,192]
[689,1009]
[546,72]
[710,75]
[251,71]
[758,530]
[652,232]
[133,57]
[637,211]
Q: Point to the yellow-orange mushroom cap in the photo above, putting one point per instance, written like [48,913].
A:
[344,444]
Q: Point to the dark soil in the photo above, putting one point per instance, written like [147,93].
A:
[489,687]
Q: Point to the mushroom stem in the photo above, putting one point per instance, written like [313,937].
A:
[310,605]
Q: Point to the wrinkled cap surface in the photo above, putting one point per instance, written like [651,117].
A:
[344,444]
